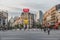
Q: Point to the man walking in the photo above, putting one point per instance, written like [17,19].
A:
[48,31]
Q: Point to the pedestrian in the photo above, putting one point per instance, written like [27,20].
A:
[20,28]
[48,31]
[25,28]
[44,29]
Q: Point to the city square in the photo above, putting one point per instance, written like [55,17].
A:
[29,35]
[29,20]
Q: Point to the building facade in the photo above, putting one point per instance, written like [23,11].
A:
[3,19]
[25,16]
[11,21]
[17,22]
[39,17]
[51,17]
[29,17]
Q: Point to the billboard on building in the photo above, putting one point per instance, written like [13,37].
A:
[25,10]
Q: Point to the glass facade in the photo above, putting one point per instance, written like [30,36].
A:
[40,16]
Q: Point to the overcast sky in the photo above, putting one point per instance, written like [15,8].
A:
[15,7]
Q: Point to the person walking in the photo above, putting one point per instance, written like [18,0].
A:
[25,27]
[48,31]
[44,29]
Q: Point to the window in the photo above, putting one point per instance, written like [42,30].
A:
[0,21]
[3,22]
[52,23]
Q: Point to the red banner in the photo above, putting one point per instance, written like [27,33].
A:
[25,10]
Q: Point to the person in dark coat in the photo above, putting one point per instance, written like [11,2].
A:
[48,31]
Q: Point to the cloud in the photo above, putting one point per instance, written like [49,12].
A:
[13,14]
[16,6]
[41,5]
[36,6]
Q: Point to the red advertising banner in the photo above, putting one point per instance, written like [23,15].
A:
[25,10]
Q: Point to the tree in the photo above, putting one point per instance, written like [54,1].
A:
[21,26]
[16,26]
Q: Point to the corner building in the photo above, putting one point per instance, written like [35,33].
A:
[52,16]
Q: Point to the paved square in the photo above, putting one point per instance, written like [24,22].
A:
[29,35]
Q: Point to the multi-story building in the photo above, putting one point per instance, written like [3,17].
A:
[11,22]
[25,15]
[17,22]
[16,17]
[39,17]
[52,16]
[29,17]
[3,19]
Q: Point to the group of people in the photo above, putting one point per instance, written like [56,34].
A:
[47,30]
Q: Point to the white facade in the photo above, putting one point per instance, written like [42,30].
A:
[11,21]
[37,16]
